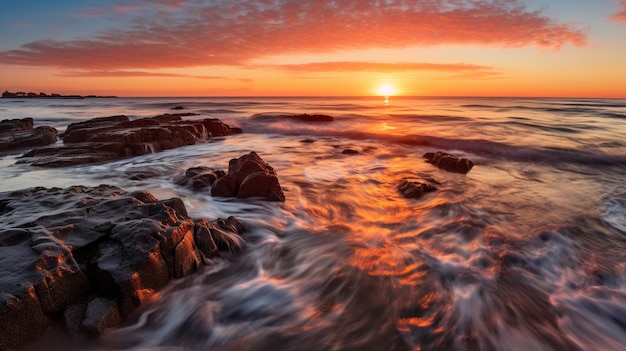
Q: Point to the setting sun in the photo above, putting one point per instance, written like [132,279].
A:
[386,90]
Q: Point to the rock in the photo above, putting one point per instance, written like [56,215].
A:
[178,107]
[200,177]
[416,188]
[101,315]
[110,138]
[215,237]
[449,162]
[16,125]
[307,141]
[59,247]
[350,152]
[21,318]
[19,133]
[73,317]
[249,176]
[305,117]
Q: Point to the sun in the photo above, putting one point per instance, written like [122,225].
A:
[386,90]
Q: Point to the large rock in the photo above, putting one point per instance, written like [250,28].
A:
[249,176]
[449,162]
[19,133]
[111,138]
[61,247]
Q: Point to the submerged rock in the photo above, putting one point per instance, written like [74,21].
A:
[449,162]
[62,247]
[19,133]
[111,138]
[305,117]
[416,188]
[249,176]
[200,177]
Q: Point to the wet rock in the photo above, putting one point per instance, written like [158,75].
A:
[101,315]
[110,138]
[200,177]
[449,162]
[179,107]
[21,318]
[307,141]
[60,246]
[19,133]
[249,176]
[416,188]
[305,117]
[349,152]
[15,125]
[215,237]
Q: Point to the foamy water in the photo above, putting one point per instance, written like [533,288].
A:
[525,252]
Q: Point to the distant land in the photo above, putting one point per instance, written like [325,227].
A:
[31,95]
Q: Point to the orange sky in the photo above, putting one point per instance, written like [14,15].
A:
[287,47]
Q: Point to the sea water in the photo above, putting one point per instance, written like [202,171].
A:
[525,252]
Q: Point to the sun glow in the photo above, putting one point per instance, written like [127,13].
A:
[386,90]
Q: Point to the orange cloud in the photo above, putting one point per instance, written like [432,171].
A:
[620,16]
[235,32]
[345,66]
[108,74]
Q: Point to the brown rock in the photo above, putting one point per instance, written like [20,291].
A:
[57,246]
[249,176]
[449,162]
[110,138]
[19,133]
[415,188]
[200,177]
[21,318]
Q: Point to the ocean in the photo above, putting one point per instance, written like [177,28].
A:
[527,251]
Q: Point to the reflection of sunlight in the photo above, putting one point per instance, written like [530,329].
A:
[385,127]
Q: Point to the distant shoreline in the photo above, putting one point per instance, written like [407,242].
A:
[31,95]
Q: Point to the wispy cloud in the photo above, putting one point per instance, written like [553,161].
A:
[197,33]
[620,16]
[111,74]
[356,66]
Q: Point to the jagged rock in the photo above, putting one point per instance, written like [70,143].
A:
[249,176]
[111,138]
[200,177]
[101,315]
[449,162]
[21,318]
[416,188]
[60,246]
[215,237]
[19,133]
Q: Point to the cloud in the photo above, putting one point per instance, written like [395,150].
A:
[125,74]
[620,16]
[198,33]
[355,66]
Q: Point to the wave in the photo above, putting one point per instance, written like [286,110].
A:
[480,147]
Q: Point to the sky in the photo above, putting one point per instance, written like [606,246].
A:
[539,48]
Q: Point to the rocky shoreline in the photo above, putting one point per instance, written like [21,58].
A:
[92,254]
[89,256]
